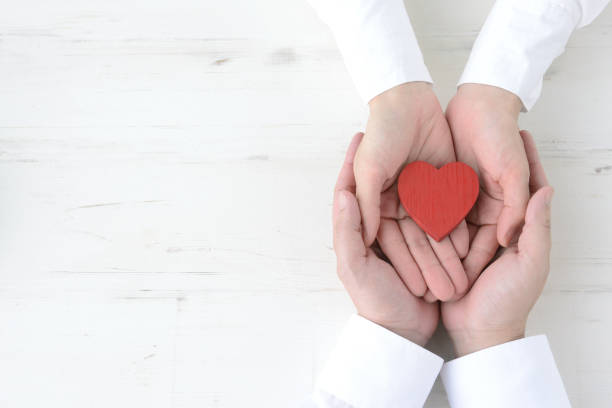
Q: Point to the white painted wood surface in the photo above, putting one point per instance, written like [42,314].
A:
[165,188]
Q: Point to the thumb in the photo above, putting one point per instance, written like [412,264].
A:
[515,186]
[348,242]
[534,242]
[370,182]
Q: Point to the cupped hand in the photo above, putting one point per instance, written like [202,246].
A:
[374,285]
[484,123]
[406,124]
[495,309]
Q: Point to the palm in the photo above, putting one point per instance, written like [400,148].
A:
[494,292]
[496,307]
[418,133]
[438,146]
[490,143]
[508,288]
[382,297]
[374,286]
[422,263]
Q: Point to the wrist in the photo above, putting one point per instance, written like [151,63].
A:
[400,96]
[491,97]
[470,341]
[414,334]
[418,329]
[398,114]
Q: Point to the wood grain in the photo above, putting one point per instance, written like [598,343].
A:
[132,273]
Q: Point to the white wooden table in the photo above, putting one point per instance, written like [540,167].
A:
[165,188]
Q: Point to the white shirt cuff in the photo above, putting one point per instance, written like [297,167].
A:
[520,373]
[377,42]
[518,43]
[374,367]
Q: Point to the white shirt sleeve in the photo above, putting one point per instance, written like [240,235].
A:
[521,38]
[377,43]
[372,367]
[520,373]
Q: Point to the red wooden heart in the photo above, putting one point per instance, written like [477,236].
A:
[437,200]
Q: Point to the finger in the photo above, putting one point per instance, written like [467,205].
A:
[482,250]
[436,278]
[445,251]
[460,238]
[429,297]
[394,246]
[515,186]
[537,175]
[534,242]
[346,178]
[348,243]
[370,181]
[390,206]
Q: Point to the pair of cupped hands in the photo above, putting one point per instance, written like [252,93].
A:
[481,280]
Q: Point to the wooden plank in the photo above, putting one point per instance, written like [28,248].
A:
[131,271]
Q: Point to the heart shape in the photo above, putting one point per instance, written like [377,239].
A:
[437,200]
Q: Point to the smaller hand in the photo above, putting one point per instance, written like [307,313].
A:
[484,123]
[374,286]
[495,310]
[406,124]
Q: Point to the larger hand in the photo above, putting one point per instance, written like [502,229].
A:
[495,310]
[374,286]
[406,123]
